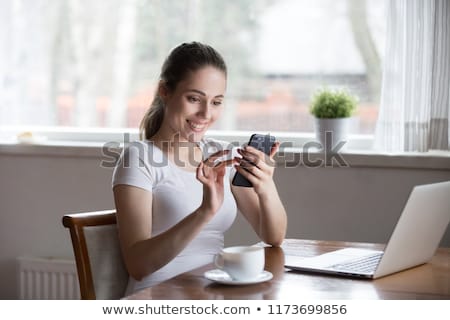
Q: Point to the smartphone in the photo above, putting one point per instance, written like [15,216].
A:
[261,142]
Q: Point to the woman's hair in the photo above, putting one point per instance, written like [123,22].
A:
[187,57]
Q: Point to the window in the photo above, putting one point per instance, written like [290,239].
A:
[89,63]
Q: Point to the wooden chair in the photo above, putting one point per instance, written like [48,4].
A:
[101,270]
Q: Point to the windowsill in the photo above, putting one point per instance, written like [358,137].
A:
[435,160]
[289,156]
[81,149]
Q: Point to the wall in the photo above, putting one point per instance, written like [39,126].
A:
[37,187]
[353,204]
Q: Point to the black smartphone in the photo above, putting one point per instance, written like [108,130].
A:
[261,142]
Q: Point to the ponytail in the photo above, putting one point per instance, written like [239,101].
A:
[185,58]
[152,120]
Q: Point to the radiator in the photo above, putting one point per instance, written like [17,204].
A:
[47,278]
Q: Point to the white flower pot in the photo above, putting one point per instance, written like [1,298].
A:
[337,129]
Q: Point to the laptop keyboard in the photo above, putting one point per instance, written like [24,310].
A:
[366,264]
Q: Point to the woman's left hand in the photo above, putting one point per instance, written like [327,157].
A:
[258,168]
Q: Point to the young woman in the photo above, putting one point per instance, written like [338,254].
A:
[173,198]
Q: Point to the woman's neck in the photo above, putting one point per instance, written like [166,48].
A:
[179,150]
[172,142]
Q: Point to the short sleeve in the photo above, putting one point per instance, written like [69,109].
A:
[133,169]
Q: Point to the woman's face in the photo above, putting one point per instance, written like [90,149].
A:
[194,105]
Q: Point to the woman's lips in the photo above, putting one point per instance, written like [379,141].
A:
[197,126]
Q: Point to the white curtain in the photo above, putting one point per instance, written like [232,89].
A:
[415,95]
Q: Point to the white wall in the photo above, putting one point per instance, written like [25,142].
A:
[354,204]
[347,204]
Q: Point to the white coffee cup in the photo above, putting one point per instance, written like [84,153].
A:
[241,263]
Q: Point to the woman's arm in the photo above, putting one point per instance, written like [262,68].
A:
[261,205]
[144,254]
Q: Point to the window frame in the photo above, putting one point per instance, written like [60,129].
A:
[90,143]
[48,135]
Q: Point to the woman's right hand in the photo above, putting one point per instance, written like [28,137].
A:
[210,174]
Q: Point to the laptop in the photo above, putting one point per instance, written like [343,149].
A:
[414,241]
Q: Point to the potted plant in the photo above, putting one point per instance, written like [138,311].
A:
[332,109]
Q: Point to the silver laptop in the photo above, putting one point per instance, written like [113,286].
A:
[414,241]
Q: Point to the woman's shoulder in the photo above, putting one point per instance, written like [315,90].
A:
[141,145]
[145,144]
[144,151]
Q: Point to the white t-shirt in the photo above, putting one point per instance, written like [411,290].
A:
[176,193]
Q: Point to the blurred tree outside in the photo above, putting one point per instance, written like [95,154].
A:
[96,63]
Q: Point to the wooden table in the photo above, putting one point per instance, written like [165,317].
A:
[428,281]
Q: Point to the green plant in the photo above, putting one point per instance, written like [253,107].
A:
[328,103]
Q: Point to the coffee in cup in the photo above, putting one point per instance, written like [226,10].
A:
[242,262]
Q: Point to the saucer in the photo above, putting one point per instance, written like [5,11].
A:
[220,276]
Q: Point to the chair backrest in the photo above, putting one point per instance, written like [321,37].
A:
[100,267]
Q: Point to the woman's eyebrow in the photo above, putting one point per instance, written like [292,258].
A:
[203,94]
